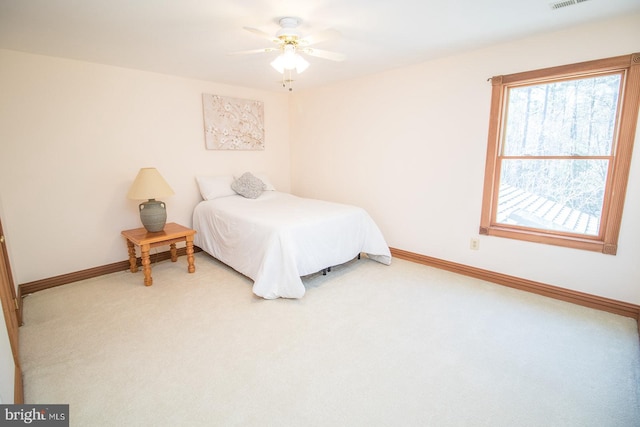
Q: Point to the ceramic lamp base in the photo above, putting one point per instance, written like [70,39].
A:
[153,215]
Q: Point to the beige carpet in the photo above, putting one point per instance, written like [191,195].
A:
[368,345]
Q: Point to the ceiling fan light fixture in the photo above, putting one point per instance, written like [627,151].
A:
[289,57]
[289,60]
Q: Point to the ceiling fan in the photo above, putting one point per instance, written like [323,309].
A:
[289,42]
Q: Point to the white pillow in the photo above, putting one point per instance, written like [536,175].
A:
[213,187]
[268,186]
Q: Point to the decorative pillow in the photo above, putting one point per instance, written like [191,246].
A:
[248,186]
[212,187]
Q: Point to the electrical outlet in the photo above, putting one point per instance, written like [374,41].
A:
[475,243]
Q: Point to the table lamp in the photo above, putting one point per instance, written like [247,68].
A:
[150,185]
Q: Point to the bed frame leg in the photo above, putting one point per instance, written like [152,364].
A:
[324,271]
[358,256]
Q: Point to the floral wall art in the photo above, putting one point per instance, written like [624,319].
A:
[232,123]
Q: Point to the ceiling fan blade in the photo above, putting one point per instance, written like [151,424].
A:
[248,52]
[262,34]
[325,54]
[319,37]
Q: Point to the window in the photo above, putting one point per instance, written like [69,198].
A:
[559,151]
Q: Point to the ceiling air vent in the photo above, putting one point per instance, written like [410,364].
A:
[564,3]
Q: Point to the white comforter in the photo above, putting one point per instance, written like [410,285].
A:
[278,237]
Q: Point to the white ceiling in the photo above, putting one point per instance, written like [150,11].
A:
[192,38]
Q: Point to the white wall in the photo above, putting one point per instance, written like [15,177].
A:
[409,145]
[73,136]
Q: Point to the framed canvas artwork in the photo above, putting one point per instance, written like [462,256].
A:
[232,123]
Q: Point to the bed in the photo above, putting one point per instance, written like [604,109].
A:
[276,238]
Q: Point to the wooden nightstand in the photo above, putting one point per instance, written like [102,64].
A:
[172,234]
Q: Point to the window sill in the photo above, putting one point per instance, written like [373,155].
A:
[550,239]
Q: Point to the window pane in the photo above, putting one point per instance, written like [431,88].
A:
[566,118]
[561,195]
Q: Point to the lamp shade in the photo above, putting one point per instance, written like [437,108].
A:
[149,184]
